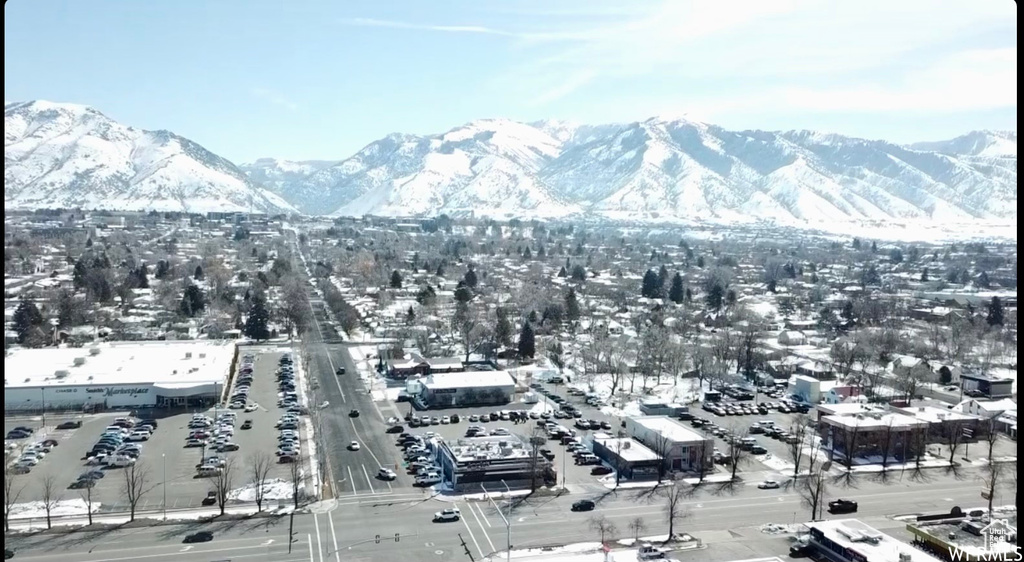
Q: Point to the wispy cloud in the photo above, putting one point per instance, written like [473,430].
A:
[275,98]
[369,22]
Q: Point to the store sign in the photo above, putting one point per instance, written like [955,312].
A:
[112,391]
[446,391]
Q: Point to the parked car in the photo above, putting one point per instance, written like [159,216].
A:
[386,474]
[210,499]
[768,485]
[600,470]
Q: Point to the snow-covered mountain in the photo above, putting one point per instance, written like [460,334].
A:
[60,155]
[666,168]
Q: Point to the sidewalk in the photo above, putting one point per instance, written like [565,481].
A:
[151,517]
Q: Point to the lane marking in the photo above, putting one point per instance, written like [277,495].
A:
[309,539]
[360,438]
[482,529]
[481,509]
[330,361]
[471,536]
[334,537]
[367,475]
[352,479]
[319,547]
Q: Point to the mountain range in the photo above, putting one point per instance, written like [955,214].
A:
[64,155]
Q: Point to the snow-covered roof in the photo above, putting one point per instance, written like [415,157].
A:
[628,449]
[872,544]
[171,363]
[668,428]
[469,379]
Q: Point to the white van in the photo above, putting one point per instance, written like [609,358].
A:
[205,471]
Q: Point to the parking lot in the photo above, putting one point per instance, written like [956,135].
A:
[170,467]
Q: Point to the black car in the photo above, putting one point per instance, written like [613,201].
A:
[842,506]
[600,470]
[247,424]
[584,505]
[210,499]
[353,414]
[340,371]
[800,550]
[70,425]
[201,536]
[17,435]
[395,429]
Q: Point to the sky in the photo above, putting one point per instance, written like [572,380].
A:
[297,79]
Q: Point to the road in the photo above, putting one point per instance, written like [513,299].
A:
[728,519]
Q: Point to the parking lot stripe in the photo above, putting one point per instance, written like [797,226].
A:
[368,482]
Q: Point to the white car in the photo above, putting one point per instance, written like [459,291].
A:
[353,446]
[252,407]
[446,420]
[768,485]
[386,474]
[428,479]
[449,514]
[393,420]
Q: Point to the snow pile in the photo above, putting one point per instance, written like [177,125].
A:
[273,489]
[63,508]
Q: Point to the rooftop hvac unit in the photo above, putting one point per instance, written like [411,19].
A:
[202,356]
[61,374]
[904,557]
[188,355]
[626,445]
[79,361]
[94,351]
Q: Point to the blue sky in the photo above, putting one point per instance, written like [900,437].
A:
[319,80]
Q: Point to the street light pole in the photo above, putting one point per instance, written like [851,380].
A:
[163,456]
[506,518]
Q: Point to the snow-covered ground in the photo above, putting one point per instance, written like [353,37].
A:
[63,508]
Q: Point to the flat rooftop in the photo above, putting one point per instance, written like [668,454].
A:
[950,532]
[875,421]
[669,428]
[167,363]
[628,449]
[469,379]
[872,544]
[489,448]
[931,414]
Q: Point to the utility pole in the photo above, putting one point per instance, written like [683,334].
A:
[291,531]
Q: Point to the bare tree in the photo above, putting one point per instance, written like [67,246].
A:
[849,440]
[135,485]
[602,526]
[259,473]
[11,492]
[675,505]
[844,354]
[222,484]
[995,474]
[702,460]
[87,497]
[295,477]
[538,437]
[887,444]
[661,444]
[954,438]
[637,526]
[919,444]
[812,490]
[800,431]
[51,496]
[737,454]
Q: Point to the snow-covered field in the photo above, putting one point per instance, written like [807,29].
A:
[274,489]
[63,508]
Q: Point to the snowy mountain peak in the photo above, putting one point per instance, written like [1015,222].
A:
[988,144]
[59,155]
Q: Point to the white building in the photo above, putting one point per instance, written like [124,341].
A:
[442,390]
[850,540]
[117,375]
[680,447]
[807,388]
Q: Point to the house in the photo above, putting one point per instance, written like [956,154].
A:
[1003,412]
[792,337]
[815,369]
[987,385]
[911,367]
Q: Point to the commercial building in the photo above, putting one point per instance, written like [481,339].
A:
[470,388]
[987,385]
[117,375]
[973,539]
[628,456]
[850,540]
[470,462]
[942,422]
[873,434]
[680,447]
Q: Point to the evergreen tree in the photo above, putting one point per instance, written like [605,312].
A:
[503,328]
[983,280]
[198,276]
[896,255]
[856,244]
[27,320]
[526,341]
[572,306]
[410,316]
[426,296]
[532,317]
[470,278]
[440,270]
[78,274]
[716,297]
[924,275]
[527,254]
[677,293]
[650,288]
[568,265]
[847,312]
[700,262]
[88,242]
[996,315]
[463,294]
[730,297]
[163,269]
[562,272]
[689,294]
[396,280]
[662,279]
[192,302]
[870,276]
[256,322]
[541,253]
[578,273]
[874,247]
